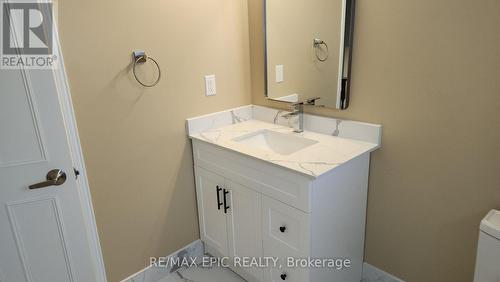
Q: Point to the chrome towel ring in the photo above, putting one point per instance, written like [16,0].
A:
[317,46]
[140,57]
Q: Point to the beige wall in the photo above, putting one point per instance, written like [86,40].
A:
[138,158]
[429,71]
[291,26]
[426,70]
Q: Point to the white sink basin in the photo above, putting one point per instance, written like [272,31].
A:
[280,143]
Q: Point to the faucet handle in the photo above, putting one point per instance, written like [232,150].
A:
[312,101]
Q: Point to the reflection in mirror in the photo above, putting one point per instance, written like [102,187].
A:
[308,50]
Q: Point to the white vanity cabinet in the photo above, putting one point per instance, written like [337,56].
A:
[252,208]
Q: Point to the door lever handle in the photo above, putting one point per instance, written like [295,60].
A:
[55,177]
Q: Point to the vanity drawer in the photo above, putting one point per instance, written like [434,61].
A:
[286,274]
[285,235]
[284,185]
[286,230]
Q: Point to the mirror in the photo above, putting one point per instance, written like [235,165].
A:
[308,51]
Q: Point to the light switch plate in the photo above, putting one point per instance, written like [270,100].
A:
[210,86]
[279,73]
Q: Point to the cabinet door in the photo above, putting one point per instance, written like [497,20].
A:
[213,226]
[245,227]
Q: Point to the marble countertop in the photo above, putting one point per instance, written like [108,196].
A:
[313,161]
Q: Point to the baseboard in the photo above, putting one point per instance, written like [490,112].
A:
[153,274]
[373,274]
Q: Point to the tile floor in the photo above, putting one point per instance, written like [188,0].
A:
[215,273]
[220,274]
[201,274]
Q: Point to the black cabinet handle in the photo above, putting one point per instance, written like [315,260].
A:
[226,207]
[283,229]
[283,276]
[219,203]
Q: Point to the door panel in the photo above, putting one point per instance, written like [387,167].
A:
[40,218]
[213,230]
[21,143]
[244,227]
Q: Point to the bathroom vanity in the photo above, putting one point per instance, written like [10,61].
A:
[266,191]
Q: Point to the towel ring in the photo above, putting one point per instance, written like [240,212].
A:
[140,58]
[317,45]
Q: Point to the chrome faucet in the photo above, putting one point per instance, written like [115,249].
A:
[298,111]
[312,101]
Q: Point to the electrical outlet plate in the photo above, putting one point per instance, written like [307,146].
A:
[210,86]
[279,73]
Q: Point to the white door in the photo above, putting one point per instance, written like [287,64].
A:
[244,227]
[211,213]
[43,235]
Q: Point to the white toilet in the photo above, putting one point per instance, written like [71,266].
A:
[488,249]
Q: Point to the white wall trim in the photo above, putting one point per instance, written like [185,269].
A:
[63,91]
[138,276]
[374,274]
[153,274]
